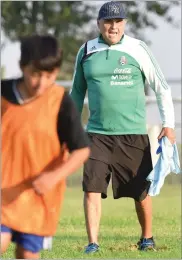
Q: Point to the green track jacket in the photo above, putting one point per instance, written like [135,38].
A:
[114,77]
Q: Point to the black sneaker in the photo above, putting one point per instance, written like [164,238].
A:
[146,243]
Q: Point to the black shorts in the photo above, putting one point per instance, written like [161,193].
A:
[125,159]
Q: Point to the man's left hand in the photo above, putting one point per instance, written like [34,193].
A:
[169,133]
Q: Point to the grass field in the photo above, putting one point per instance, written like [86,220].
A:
[119,229]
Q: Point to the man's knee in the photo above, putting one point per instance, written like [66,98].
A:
[92,196]
[145,202]
[92,199]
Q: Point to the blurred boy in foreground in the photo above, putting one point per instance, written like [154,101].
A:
[39,126]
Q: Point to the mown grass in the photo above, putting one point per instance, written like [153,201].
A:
[119,229]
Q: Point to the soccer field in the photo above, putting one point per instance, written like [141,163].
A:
[119,229]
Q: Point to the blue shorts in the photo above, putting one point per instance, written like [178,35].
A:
[29,242]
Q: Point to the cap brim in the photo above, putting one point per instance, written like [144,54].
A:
[112,17]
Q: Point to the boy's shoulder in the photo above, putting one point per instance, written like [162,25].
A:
[7,87]
[6,83]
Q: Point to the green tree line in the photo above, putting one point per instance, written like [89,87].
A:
[74,22]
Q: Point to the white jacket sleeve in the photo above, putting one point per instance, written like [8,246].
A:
[157,82]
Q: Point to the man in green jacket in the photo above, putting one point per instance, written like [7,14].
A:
[113,69]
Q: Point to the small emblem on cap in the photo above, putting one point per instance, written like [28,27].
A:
[115,9]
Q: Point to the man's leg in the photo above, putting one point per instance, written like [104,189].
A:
[144,213]
[95,181]
[96,177]
[22,253]
[92,208]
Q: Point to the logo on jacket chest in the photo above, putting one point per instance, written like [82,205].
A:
[122,60]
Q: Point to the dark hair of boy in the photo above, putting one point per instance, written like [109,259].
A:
[43,52]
